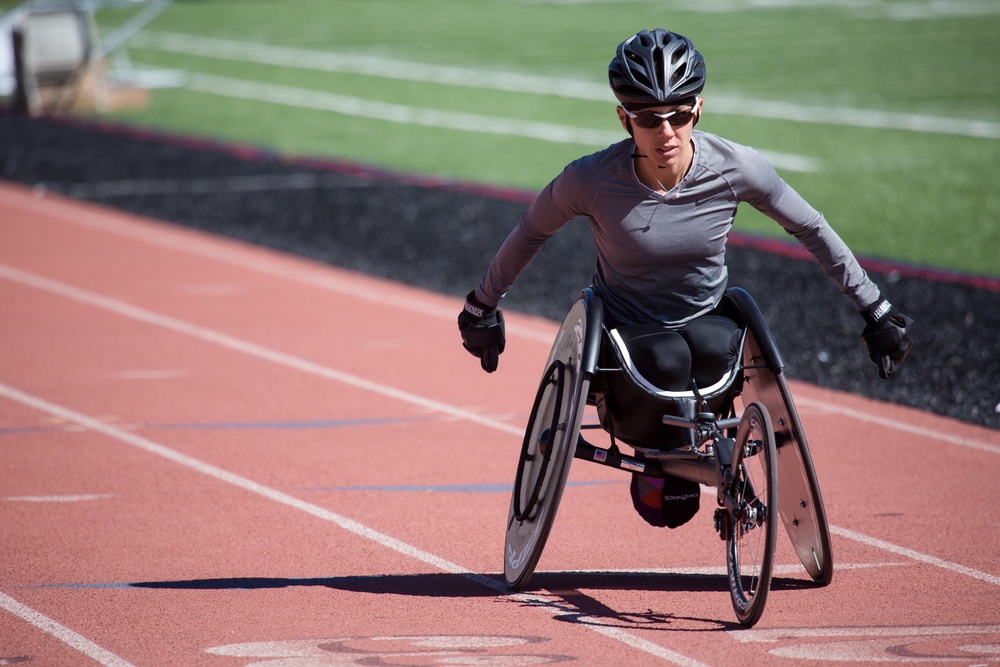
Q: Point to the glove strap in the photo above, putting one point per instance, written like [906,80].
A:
[877,313]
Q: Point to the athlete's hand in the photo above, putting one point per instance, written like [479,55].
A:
[886,337]
[482,331]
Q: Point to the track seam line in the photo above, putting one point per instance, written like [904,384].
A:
[266,354]
[350,525]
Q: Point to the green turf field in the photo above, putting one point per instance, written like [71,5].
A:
[884,114]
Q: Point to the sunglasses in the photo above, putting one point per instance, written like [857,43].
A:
[651,119]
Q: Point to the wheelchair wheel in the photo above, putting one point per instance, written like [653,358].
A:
[547,451]
[800,501]
[752,529]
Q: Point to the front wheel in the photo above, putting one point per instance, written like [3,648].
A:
[546,451]
[751,514]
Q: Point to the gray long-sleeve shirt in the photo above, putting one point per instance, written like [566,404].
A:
[662,257]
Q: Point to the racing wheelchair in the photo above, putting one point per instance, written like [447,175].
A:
[698,435]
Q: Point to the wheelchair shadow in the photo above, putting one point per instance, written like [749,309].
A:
[443,584]
[579,607]
[559,592]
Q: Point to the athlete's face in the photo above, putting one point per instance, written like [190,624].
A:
[663,134]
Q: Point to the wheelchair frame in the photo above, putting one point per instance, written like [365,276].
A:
[742,457]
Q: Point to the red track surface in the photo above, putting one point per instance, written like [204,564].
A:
[214,454]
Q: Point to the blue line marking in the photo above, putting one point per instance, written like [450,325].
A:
[311,424]
[445,488]
[294,425]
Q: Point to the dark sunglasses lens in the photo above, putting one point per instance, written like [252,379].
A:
[649,120]
[681,119]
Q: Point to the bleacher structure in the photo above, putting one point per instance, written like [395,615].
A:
[60,62]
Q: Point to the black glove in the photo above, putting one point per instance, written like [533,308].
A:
[885,336]
[482,331]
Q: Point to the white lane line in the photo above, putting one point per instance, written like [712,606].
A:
[520,82]
[252,259]
[343,522]
[251,349]
[62,633]
[897,425]
[56,499]
[167,238]
[266,354]
[192,463]
[916,555]
[779,634]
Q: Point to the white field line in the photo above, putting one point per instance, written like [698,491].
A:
[399,113]
[282,498]
[266,354]
[516,82]
[449,120]
[62,633]
[914,10]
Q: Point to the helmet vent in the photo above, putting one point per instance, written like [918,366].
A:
[678,74]
[678,54]
[658,70]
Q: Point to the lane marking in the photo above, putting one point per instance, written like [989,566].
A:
[251,349]
[519,82]
[455,488]
[938,644]
[172,240]
[778,634]
[62,633]
[898,425]
[916,555]
[211,251]
[57,499]
[250,259]
[266,354]
[324,514]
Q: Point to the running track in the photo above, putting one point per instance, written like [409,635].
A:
[219,455]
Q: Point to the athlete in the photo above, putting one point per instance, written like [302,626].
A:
[661,204]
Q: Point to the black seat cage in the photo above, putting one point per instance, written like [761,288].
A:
[648,421]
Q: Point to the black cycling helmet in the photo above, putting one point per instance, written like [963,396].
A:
[656,67]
